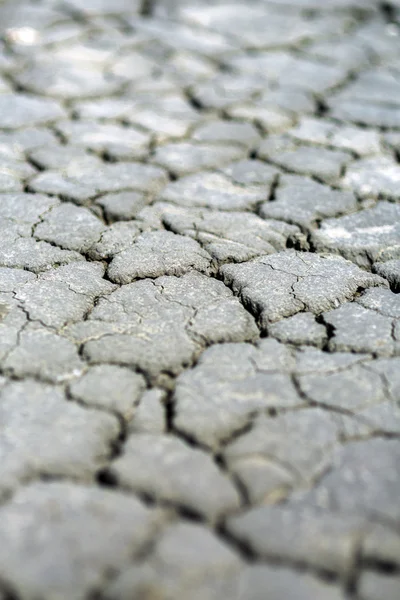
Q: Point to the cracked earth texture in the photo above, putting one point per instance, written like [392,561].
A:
[199,300]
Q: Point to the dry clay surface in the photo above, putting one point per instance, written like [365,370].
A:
[199,300]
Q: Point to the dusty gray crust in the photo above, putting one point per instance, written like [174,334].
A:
[199,300]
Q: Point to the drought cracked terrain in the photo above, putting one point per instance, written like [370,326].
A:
[199,300]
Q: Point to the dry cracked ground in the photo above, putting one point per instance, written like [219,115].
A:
[199,300]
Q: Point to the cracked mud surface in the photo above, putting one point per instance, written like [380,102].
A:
[199,300]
